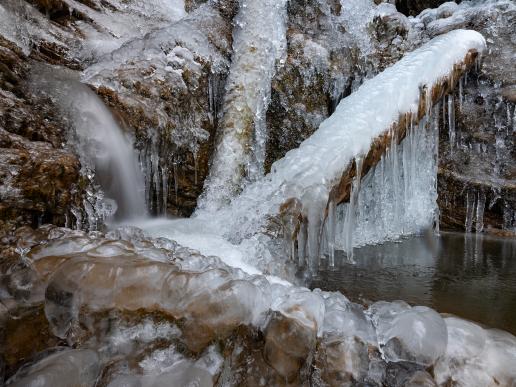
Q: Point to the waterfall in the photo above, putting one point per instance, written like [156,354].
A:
[259,41]
[102,145]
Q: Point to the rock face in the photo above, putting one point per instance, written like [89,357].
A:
[39,179]
[414,7]
[477,175]
[167,87]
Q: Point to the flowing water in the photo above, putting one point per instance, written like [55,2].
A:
[470,275]
[99,140]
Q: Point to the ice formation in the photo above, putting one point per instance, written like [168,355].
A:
[78,367]
[309,173]
[113,275]
[116,22]
[398,197]
[240,152]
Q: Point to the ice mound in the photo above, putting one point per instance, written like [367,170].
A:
[476,356]
[416,334]
[211,299]
[190,318]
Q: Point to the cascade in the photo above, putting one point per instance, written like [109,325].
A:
[258,43]
[102,147]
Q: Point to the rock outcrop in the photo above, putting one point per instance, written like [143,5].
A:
[40,178]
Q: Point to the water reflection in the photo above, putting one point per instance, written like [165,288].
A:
[472,276]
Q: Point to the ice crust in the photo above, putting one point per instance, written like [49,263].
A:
[417,334]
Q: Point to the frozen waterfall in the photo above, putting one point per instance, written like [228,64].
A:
[302,191]
[258,43]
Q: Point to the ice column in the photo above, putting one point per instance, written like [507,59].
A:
[259,42]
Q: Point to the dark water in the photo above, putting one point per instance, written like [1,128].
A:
[471,276]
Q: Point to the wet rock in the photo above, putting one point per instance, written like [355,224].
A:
[291,332]
[420,379]
[398,374]
[476,173]
[342,360]
[414,7]
[287,345]
[25,333]
[39,182]
[244,363]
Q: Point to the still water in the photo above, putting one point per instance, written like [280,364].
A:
[471,276]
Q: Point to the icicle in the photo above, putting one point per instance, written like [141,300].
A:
[78,217]
[351,208]
[164,178]
[451,121]
[175,179]
[481,202]
[330,232]
[301,244]
[393,155]
[211,100]
[460,94]
[398,197]
[470,208]
[195,166]
[444,112]
[406,163]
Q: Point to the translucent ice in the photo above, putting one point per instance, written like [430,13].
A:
[416,334]
[77,367]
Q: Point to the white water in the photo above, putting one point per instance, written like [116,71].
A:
[100,142]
